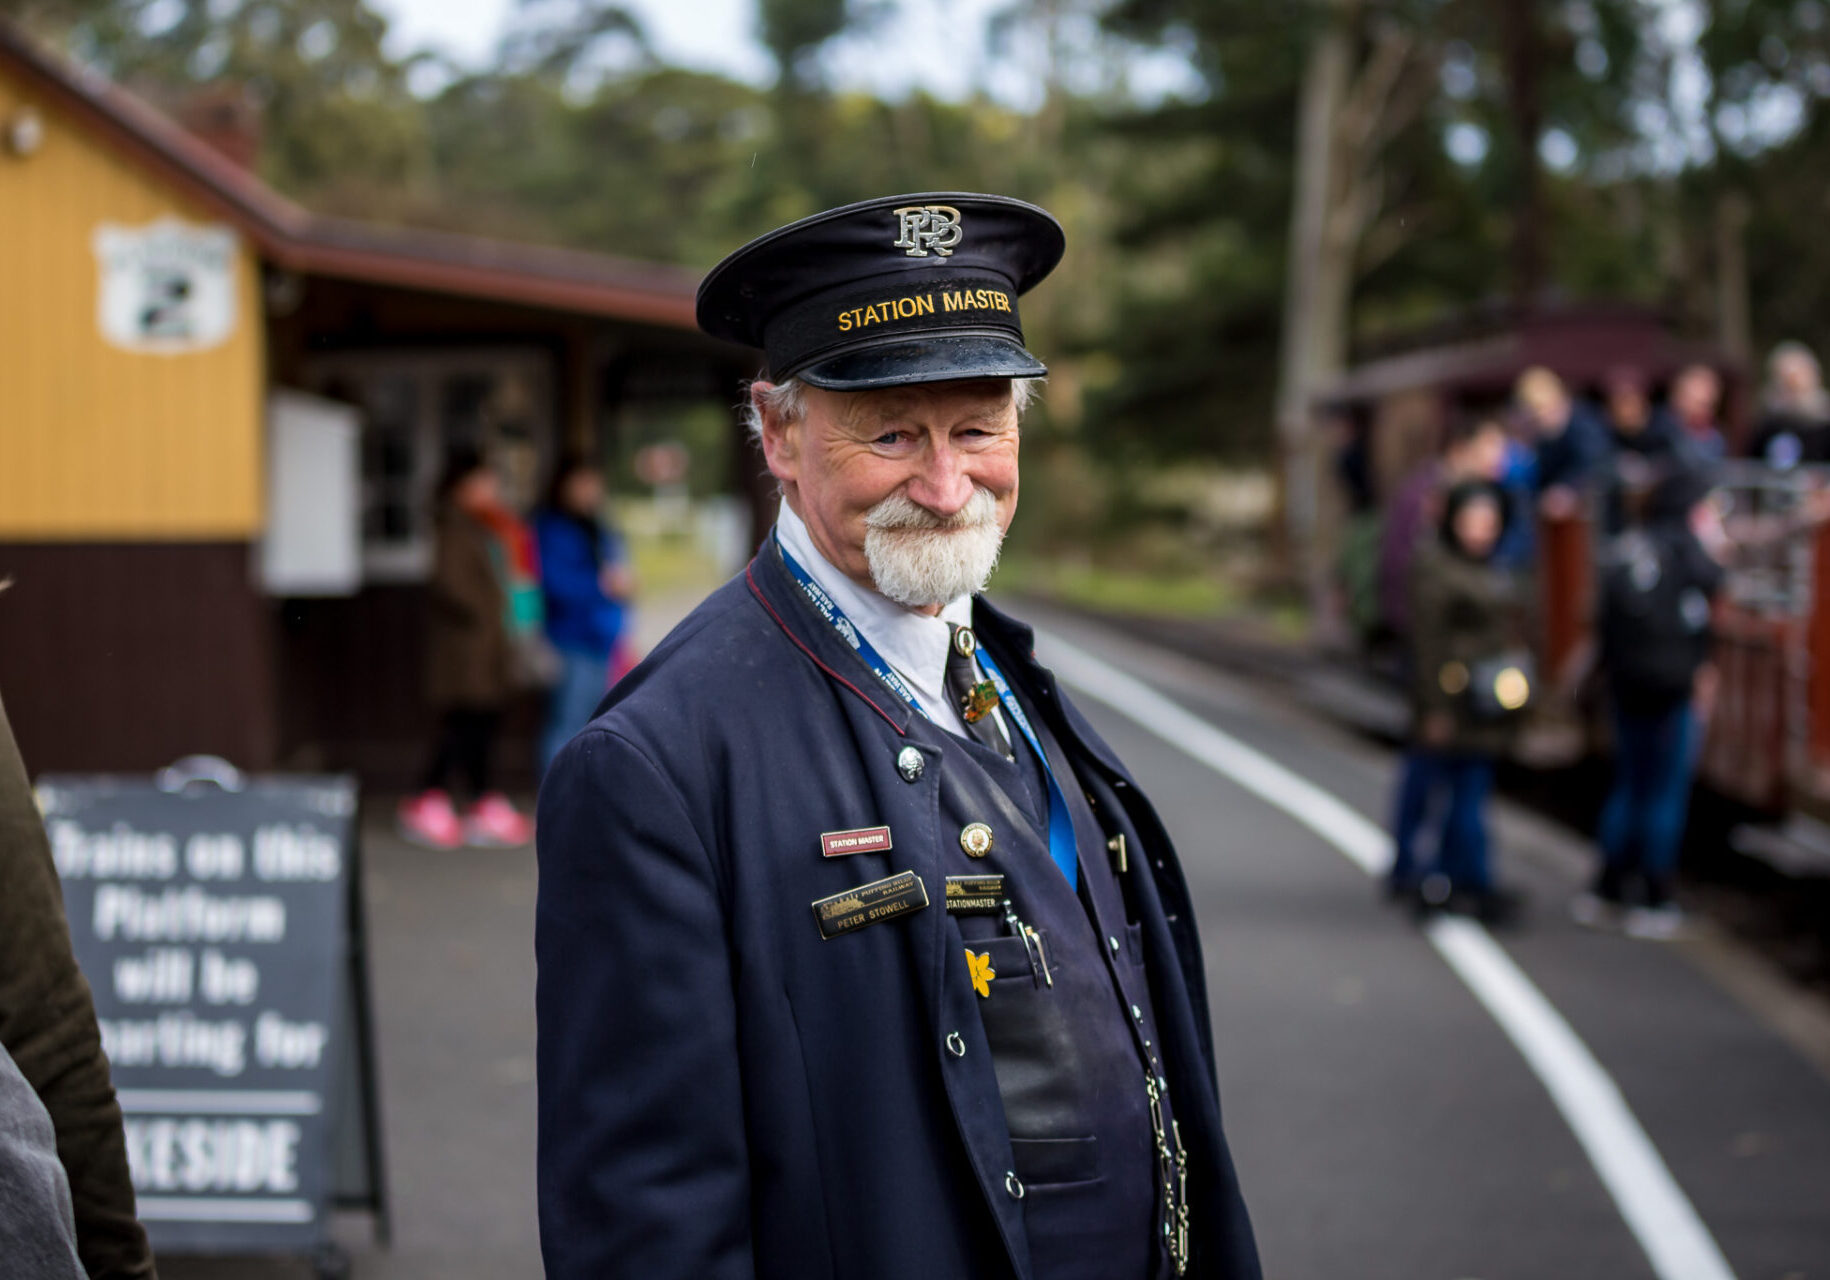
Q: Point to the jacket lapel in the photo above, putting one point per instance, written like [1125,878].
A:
[1015,642]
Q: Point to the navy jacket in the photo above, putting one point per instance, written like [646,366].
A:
[725,1093]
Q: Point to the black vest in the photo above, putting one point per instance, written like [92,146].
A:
[1072,1034]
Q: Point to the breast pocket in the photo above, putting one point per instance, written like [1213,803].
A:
[1014,963]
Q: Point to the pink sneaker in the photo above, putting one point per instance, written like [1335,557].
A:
[493,823]
[428,819]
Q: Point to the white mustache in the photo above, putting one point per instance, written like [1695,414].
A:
[899,512]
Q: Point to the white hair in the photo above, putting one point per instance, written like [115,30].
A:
[787,400]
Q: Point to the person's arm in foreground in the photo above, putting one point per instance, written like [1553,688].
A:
[644,1170]
[47,1023]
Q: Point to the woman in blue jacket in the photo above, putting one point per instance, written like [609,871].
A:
[586,585]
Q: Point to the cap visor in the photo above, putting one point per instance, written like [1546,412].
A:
[920,360]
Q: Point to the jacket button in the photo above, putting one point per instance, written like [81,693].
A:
[956,1045]
[1113,943]
[1137,1013]
[1012,1186]
[910,764]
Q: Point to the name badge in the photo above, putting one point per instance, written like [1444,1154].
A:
[871,903]
[836,844]
[975,895]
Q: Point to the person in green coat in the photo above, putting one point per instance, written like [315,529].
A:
[1468,680]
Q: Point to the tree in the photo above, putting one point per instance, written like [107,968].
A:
[337,119]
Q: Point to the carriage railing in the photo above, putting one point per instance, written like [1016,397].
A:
[1770,737]
[1769,742]
[1771,539]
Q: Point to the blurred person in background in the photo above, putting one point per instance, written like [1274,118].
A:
[1657,585]
[1641,443]
[587,585]
[1469,680]
[1695,404]
[1794,422]
[1472,449]
[1569,442]
[1518,481]
[65,1192]
[470,665]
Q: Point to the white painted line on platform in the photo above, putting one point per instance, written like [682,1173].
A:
[1662,1219]
[220,1102]
[221,1209]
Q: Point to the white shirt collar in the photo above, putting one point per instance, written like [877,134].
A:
[914,644]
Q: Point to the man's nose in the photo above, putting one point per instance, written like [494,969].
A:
[942,484]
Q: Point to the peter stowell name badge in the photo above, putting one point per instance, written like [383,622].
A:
[872,903]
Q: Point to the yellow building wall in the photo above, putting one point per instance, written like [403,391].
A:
[96,442]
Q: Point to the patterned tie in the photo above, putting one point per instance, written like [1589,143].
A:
[974,696]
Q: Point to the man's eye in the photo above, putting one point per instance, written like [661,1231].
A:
[890,437]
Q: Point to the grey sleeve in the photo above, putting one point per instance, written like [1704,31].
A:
[37,1221]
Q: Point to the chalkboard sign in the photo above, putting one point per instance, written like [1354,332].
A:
[210,912]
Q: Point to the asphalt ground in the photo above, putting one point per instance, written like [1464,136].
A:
[1383,1124]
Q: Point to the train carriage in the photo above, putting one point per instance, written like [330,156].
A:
[1768,745]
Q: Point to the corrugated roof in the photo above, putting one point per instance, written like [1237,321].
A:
[293,237]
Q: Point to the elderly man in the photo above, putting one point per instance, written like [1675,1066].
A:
[860,954]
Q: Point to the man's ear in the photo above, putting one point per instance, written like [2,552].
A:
[781,441]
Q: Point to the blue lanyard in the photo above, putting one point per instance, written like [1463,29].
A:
[848,631]
[1061,845]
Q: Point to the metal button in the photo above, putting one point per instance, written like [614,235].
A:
[910,764]
[1137,1013]
[1011,1185]
[956,1045]
[965,641]
[1114,944]
[976,840]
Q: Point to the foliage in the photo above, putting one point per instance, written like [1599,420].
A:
[1587,123]
[337,118]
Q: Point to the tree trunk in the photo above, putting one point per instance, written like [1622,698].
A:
[1734,327]
[1524,57]
[1318,289]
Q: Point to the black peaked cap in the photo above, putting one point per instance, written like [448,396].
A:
[888,292]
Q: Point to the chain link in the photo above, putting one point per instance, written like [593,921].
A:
[1174,1167]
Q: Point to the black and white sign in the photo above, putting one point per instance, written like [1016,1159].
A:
[211,923]
[166,288]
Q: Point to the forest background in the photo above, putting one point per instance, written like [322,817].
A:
[1321,175]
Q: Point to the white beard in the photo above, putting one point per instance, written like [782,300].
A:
[919,559]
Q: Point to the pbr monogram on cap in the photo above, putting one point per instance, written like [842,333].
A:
[929,226]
